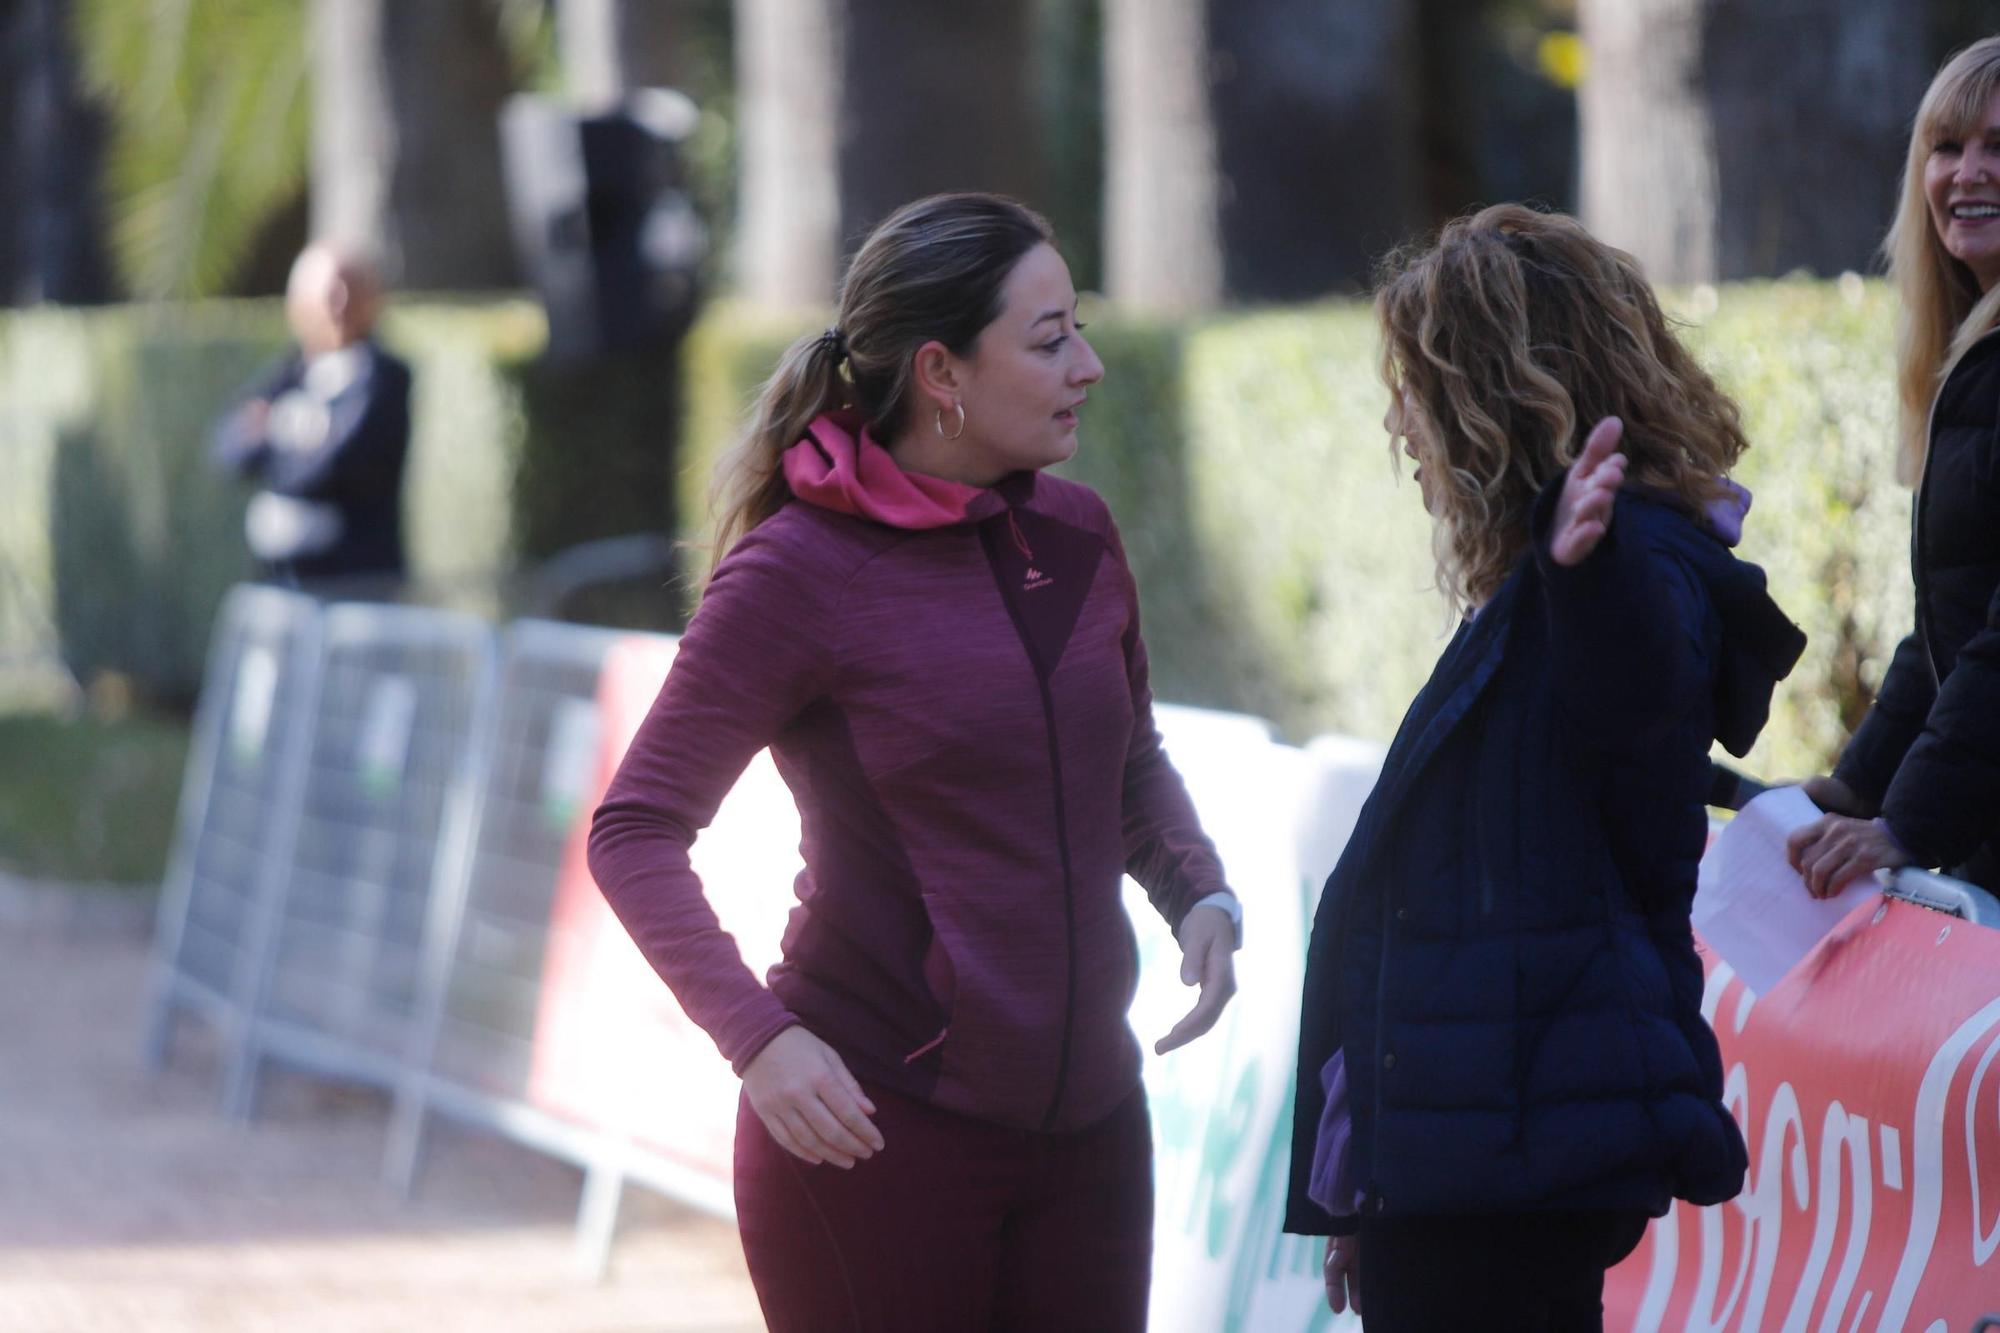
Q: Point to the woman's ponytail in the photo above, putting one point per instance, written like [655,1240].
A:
[749,483]
[933,270]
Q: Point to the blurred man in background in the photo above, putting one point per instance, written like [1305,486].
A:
[325,436]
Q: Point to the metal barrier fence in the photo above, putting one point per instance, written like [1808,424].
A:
[472,1051]
[382,830]
[1940,893]
[542,1009]
[244,766]
[381,809]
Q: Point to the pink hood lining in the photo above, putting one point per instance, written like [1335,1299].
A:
[839,466]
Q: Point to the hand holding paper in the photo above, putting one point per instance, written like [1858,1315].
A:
[1835,850]
[1751,906]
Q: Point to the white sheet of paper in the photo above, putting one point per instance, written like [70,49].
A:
[1751,906]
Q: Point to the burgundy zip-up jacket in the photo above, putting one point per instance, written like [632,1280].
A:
[952,684]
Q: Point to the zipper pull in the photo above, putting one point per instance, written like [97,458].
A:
[1020,539]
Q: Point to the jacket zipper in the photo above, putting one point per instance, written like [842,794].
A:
[1384,922]
[1020,542]
[1069,904]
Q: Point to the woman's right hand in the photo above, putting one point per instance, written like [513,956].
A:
[1590,490]
[809,1102]
[1343,1273]
[1836,798]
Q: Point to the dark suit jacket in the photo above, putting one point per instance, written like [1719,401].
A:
[356,466]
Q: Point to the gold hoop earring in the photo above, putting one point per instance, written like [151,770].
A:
[960,409]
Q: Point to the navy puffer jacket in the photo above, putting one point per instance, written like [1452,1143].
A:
[1503,953]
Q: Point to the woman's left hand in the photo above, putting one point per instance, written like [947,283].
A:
[1583,511]
[1343,1274]
[1208,957]
[1834,850]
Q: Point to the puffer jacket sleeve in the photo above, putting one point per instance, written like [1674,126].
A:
[1631,632]
[1165,848]
[1943,799]
[752,658]
[1894,722]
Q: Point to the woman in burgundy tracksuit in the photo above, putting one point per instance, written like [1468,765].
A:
[942,1124]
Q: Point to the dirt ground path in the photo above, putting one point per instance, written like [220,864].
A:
[127,1202]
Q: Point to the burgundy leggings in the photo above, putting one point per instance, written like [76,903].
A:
[956,1224]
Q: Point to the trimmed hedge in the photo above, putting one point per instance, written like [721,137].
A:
[1811,365]
[1285,569]
[119,532]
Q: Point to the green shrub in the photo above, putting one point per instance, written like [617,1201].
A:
[45,384]
[1301,516]
[147,537]
[1810,363]
[89,799]
[598,455]
[1284,569]
[1329,556]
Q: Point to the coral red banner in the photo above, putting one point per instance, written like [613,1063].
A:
[1866,1088]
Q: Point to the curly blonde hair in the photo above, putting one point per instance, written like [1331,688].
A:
[1507,340]
[1942,311]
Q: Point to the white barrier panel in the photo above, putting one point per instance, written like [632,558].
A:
[1222,1107]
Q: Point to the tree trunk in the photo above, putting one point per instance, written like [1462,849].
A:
[609,47]
[788,95]
[1162,207]
[1728,139]
[1068,73]
[936,97]
[406,145]
[1812,103]
[851,108]
[1648,161]
[51,146]
[1258,149]
[1318,123]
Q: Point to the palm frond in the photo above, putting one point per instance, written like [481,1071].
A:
[209,103]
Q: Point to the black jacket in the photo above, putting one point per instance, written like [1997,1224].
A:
[351,463]
[1503,954]
[1929,750]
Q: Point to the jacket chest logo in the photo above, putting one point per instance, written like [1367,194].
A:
[1035,579]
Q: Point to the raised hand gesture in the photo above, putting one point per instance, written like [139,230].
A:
[1583,512]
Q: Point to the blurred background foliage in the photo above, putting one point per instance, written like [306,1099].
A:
[209,106]
[165,161]
[1284,564]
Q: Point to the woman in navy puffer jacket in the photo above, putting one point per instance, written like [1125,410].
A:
[1503,1065]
